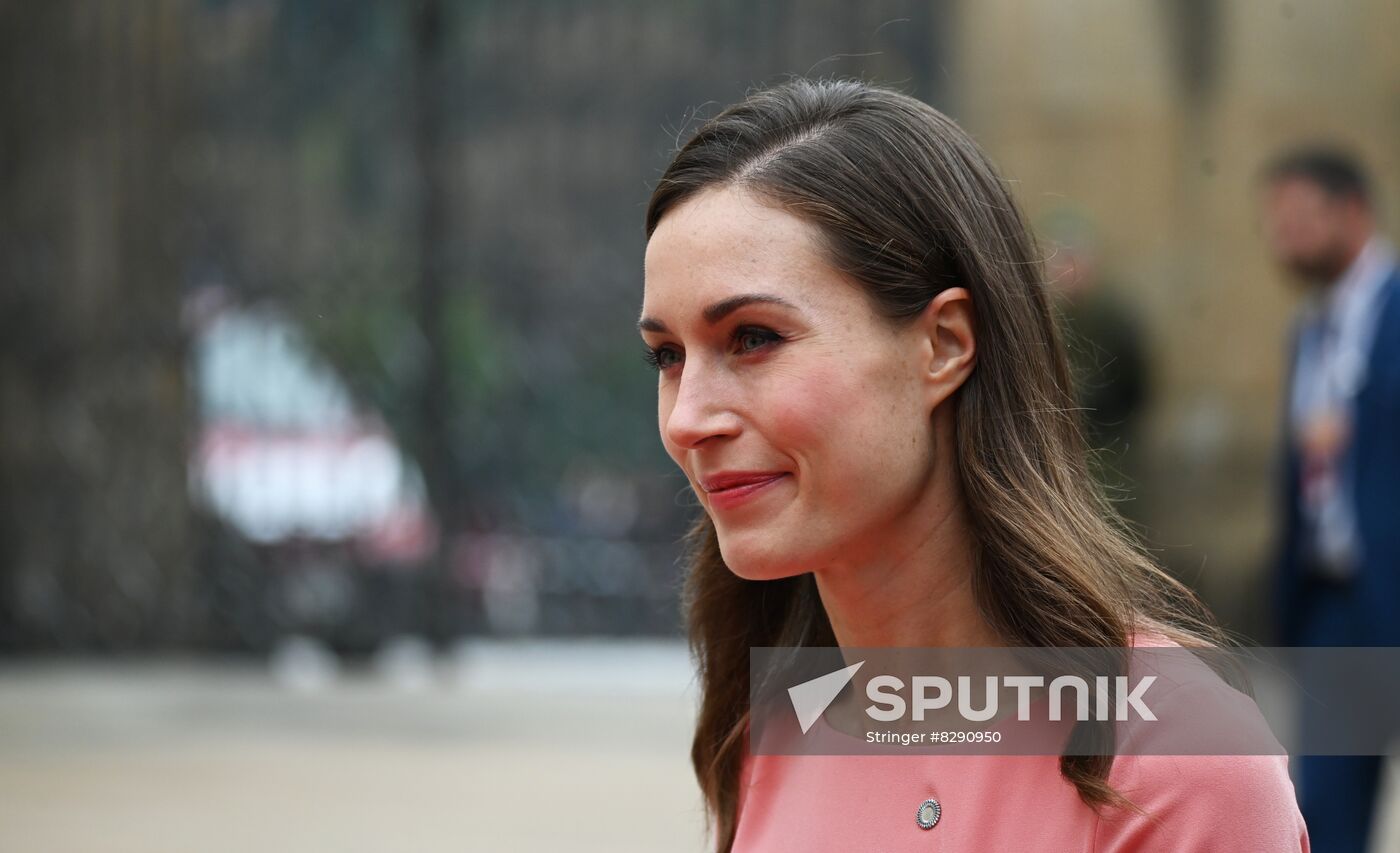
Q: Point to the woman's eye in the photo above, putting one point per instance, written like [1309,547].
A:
[658,357]
[751,333]
[746,339]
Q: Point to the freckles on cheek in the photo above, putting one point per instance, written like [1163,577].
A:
[804,405]
[814,414]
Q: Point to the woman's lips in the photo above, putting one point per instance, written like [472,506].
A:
[732,497]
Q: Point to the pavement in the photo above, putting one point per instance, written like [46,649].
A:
[514,747]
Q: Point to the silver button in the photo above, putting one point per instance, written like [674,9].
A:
[929,813]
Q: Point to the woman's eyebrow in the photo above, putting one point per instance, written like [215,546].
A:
[718,311]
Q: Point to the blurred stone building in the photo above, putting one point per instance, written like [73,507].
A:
[1154,119]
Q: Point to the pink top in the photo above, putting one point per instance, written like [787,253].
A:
[1008,803]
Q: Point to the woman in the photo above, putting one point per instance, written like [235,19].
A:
[860,376]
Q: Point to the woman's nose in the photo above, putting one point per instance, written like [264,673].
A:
[702,408]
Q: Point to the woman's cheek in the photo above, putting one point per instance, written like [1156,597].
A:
[820,423]
[806,408]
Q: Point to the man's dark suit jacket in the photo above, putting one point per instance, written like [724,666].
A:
[1375,452]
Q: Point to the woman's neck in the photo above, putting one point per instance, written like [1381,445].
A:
[911,593]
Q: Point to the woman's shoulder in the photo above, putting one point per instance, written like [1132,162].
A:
[1216,799]
[1203,803]
[1207,774]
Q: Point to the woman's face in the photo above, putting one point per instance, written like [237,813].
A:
[804,383]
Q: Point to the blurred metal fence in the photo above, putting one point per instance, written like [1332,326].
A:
[318,317]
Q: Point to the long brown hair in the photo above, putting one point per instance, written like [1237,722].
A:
[909,205]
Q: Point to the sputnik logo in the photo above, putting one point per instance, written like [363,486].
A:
[811,698]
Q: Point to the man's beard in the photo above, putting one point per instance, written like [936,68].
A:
[1320,270]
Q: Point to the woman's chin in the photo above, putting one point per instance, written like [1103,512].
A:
[756,561]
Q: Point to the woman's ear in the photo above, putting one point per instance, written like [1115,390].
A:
[950,344]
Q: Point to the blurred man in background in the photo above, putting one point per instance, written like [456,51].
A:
[1339,564]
